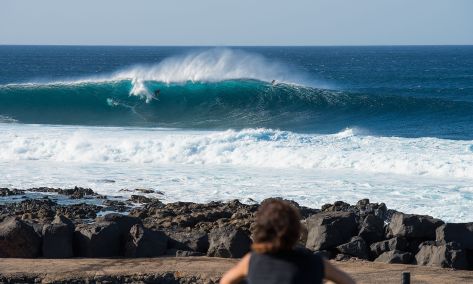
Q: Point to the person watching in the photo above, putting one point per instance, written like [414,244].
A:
[274,257]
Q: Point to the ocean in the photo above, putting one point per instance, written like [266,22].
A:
[312,124]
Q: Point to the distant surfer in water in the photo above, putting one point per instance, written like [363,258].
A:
[273,82]
[157,93]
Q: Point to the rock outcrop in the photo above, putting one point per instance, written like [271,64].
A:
[142,242]
[99,239]
[413,226]
[329,229]
[228,242]
[394,244]
[197,241]
[58,238]
[444,255]
[356,247]
[461,233]
[18,239]
[395,256]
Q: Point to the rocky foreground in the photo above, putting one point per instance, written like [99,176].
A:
[33,228]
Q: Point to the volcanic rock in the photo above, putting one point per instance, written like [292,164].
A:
[10,192]
[329,229]
[228,242]
[444,255]
[143,242]
[78,192]
[73,193]
[80,211]
[395,256]
[413,226]
[140,199]
[372,229]
[101,239]
[18,239]
[57,238]
[461,233]
[396,243]
[356,247]
[362,209]
[115,205]
[144,190]
[197,241]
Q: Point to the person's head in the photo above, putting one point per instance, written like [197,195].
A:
[277,227]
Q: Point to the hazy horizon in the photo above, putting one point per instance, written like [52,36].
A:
[236,23]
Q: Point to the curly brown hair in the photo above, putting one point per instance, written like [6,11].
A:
[277,226]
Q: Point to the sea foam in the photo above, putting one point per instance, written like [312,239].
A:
[259,148]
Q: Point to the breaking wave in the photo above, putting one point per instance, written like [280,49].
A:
[220,89]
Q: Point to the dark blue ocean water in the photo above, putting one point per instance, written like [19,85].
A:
[410,91]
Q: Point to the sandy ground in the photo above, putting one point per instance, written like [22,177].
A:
[50,270]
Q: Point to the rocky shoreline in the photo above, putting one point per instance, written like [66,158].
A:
[146,227]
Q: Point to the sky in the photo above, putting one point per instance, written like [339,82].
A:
[236,22]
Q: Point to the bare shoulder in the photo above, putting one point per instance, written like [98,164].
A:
[245,262]
[336,275]
[238,272]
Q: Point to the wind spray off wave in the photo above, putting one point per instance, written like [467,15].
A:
[212,65]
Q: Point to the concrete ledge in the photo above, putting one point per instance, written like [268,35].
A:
[192,270]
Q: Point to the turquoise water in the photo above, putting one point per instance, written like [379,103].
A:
[386,91]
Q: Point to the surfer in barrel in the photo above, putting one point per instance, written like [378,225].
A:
[157,92]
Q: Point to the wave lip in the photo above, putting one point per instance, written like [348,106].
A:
[261,148]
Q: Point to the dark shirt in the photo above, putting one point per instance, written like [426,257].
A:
[290,267]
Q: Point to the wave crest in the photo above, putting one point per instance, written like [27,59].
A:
[212,65]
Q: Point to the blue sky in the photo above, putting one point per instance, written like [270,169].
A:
[236,22]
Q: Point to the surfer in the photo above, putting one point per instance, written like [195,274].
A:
[156,94]
[273,82]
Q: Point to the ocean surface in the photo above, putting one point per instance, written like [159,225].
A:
[313,124]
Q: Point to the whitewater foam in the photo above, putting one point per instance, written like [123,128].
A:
[6,119]
[263,148]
